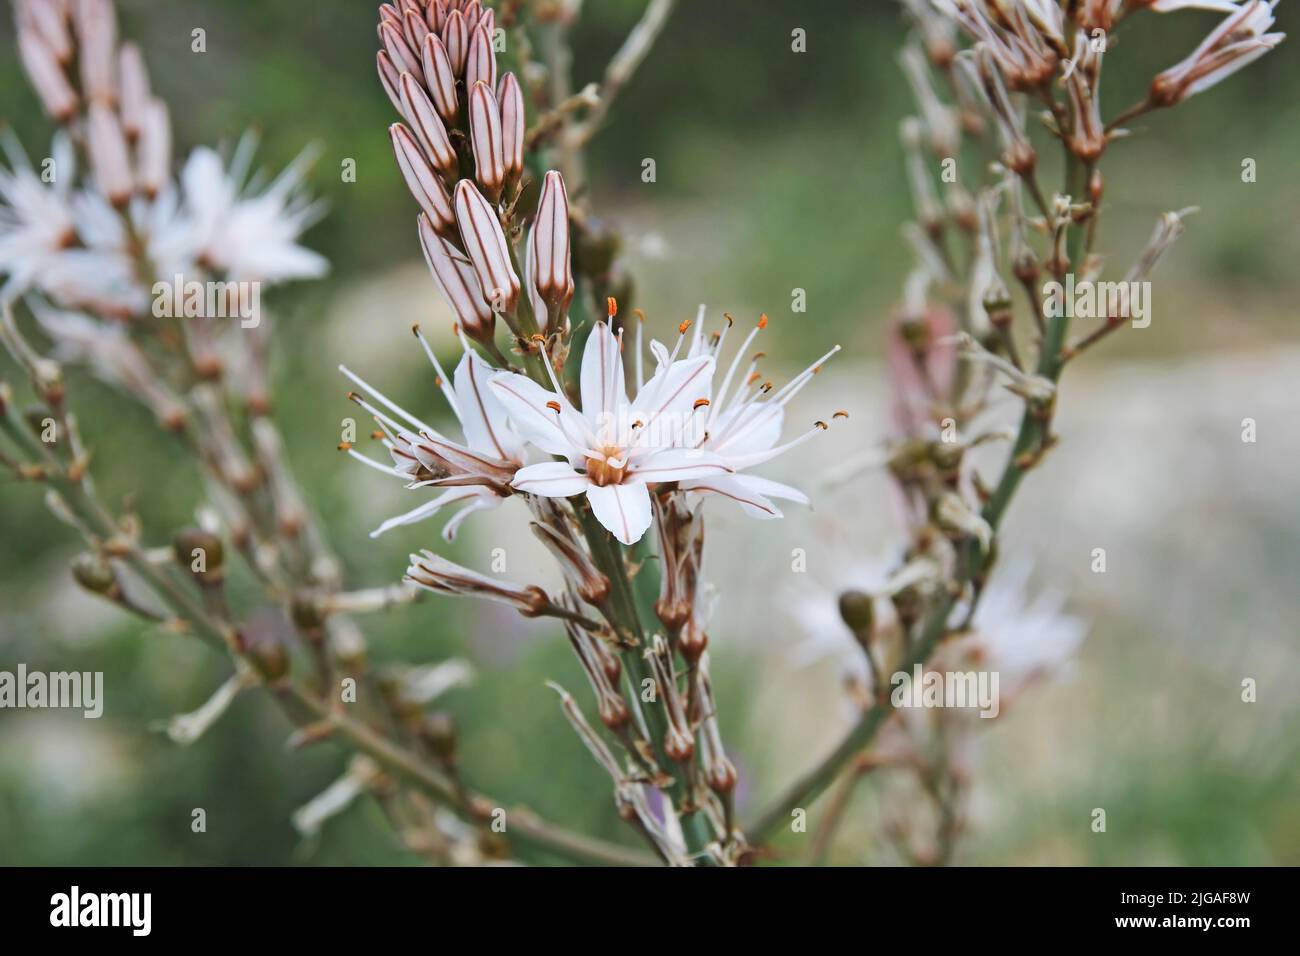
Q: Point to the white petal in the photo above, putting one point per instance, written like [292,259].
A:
[623,509]
[603,392]
[678,464]
[773,489]
[551,479]
[482,415]
[733,487]
[667,401]
[428,509]
[526,403]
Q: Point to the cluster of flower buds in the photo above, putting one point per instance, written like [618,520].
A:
[461,152]
[127,128]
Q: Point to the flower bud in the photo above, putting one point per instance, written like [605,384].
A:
[511,99]
[455,37]
[421,178]
[95,574]
[46,76]
[420,111]
[485,243]
[97,48]
[200,552]
[154,154]
[266,652]
[134,81]
[414,29]
[485,135]
[857,609]
[404,59]
[439,78]
[388,78]
[551,271]
[108,154]
[480,62]
[458,284]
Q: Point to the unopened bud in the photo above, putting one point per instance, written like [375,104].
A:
[858,611]
[200,552]
[94,574]
[268,656]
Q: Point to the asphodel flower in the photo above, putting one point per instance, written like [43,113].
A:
[1238,41]
[613,449]
[744,418]
[474,474]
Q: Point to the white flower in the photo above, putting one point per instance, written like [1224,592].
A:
[36,222]
[245,234]
[1021,637]
[743,425]
[475,474]
[612,449]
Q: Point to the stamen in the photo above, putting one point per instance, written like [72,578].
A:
[442,380]
[611,306]
[386,469]
[384,400]
[721,396]
[640,333]
[701,403]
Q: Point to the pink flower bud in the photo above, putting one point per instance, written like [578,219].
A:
[108,154]
[550,269]
[480,62]
[97,36]
[135,94]
[46,76]
[421,179]
[511,99]
[418,109]
[485,135]
[457,282]
[489,22]
[414,29]
[49,21]
[439,77]
[436,14]
[485,243]
[455,37]
[388,77]
[154,153]
[399,51]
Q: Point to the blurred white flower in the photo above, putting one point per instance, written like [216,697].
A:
[1022,637]
[36,221]
[244,231]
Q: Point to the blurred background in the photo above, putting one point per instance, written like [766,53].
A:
[776,171]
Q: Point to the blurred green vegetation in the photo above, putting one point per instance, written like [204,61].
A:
[775,171]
